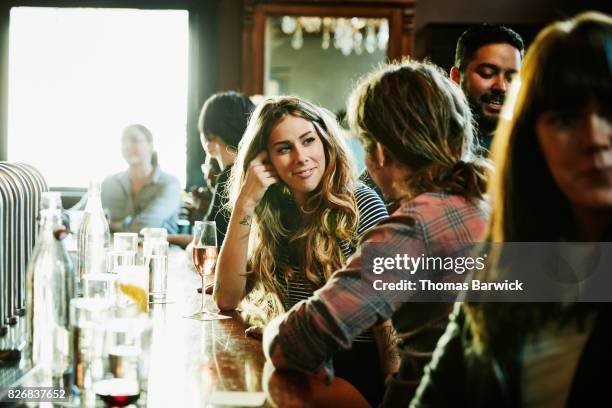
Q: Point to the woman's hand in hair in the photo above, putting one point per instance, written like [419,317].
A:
[259,176]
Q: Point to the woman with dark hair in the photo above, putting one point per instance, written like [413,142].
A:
[222,122]
[416,129]
[143,196]
[553,182]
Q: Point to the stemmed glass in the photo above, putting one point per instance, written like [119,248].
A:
[204,256]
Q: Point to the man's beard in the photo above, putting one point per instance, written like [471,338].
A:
[486,123]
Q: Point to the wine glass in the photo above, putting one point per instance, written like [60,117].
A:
[204,256]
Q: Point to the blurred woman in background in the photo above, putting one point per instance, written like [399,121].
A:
[553,182]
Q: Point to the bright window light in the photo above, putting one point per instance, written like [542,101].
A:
[77,77]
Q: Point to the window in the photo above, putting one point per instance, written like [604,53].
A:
[77,77]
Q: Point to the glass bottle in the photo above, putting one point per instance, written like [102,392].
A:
[94,235]
[50,284]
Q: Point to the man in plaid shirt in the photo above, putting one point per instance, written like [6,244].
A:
[305,337]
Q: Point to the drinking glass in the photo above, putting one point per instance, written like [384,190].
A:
[133,287]
[100,285]
[86,317]
[204,257]
[121,384]
[154,233]
[156,262]
[125,241]
[118,258]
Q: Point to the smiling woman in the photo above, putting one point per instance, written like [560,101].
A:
[298,156]
[297,214]
[293,181]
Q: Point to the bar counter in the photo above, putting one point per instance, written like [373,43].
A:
[190,359]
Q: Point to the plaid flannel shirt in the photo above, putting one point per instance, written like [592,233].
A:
[347,305]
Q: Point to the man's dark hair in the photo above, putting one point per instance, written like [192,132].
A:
[475,37]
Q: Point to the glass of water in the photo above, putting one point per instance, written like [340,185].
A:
[156,262]
[123,368]
[125,241]
[100,285]
[118,258]
[86,318]
[133,287]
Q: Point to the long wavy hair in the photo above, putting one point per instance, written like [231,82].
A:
[423,121]
[568,64]
[313,232]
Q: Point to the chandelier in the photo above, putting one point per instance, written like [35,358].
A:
[346,34]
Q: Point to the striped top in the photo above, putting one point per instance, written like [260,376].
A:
[371,209]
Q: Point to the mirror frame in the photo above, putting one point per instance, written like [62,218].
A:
[400,14]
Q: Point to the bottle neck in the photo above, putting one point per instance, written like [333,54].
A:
[94,203]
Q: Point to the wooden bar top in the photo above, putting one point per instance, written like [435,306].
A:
[191,358]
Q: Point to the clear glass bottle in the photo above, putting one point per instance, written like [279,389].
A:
[50,284]
[94,235]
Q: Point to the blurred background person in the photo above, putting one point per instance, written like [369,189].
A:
[553,182]
[143,195]
[222,122]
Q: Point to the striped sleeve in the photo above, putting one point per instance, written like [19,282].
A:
[371,208]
